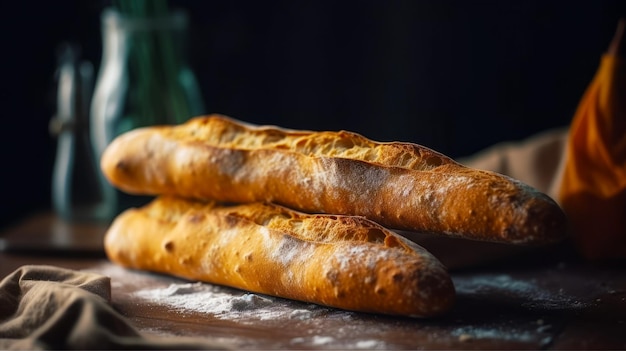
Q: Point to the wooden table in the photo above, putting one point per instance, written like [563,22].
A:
[536,299]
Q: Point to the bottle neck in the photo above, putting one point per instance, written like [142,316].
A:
[148,38]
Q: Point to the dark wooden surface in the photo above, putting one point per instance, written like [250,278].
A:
[535,299]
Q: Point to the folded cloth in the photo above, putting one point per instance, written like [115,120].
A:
[583,166]
[593,188]
[46,307]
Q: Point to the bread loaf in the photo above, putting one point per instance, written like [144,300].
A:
[398,185]
[339,261]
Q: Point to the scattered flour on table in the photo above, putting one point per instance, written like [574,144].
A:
[209,299]
[214,301]
[467,334]
[369,344]
[321,340]
[249,307]
[220,302]
[530,294]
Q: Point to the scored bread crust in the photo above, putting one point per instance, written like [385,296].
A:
[345,262]
[398,185]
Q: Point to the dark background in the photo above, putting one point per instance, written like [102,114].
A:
[457,76]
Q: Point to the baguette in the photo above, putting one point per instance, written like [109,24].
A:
[345,262]
[401,186]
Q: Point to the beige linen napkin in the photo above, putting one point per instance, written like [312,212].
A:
[46,307]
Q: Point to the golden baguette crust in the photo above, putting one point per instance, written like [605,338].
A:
[399,185]
[340,261]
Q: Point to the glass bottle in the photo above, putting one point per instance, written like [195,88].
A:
[144,79]
[76,195]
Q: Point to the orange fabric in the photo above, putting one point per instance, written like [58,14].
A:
[593,189]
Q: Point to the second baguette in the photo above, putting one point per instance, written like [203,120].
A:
[340,261]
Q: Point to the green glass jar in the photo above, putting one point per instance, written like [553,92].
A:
[144,79]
